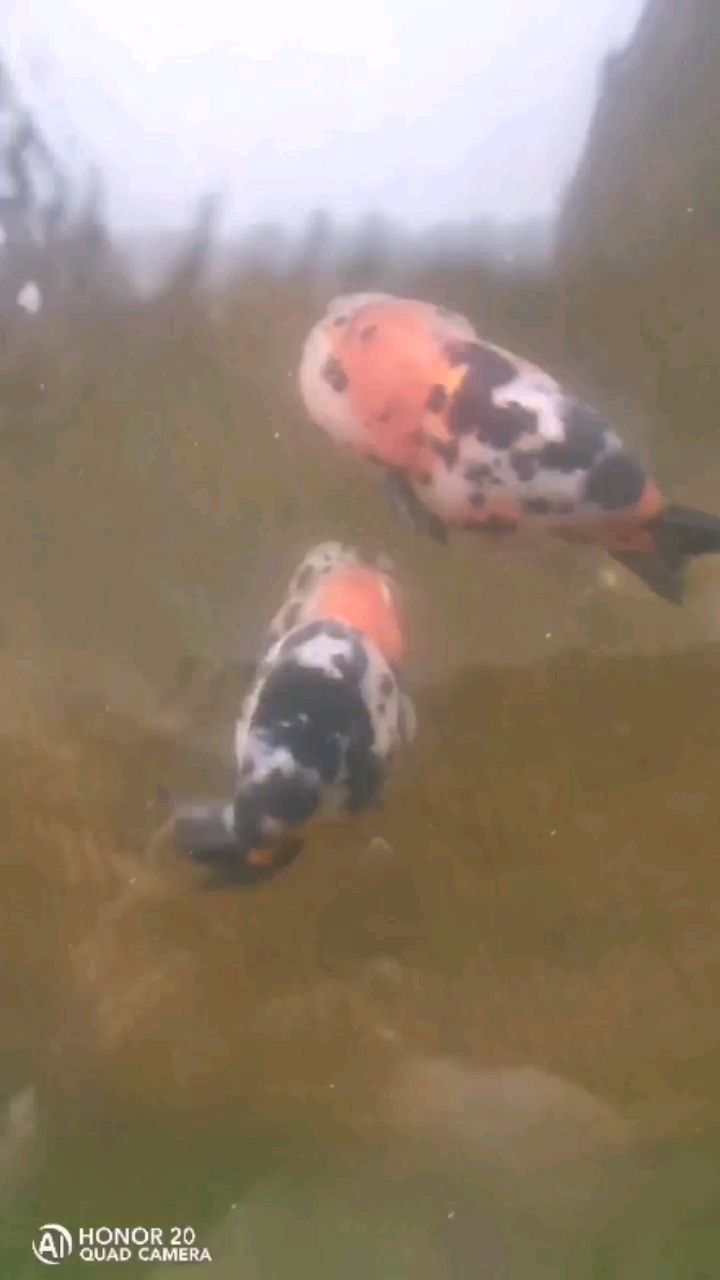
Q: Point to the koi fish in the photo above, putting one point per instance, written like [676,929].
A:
[320,725]
[472,436]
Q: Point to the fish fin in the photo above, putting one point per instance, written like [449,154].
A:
[665,580]
[690,533]
[406,504]
[205,834]
[680,534]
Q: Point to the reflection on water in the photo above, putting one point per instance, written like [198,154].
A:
[478,1034]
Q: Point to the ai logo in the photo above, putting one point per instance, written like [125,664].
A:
[53,1244]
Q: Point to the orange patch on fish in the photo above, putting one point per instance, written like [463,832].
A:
[392,360]
[360,598]
[261,858]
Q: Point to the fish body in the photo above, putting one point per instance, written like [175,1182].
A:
[320,726]
[473,436]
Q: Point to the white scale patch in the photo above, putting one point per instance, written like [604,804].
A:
[387,724]
[319,651]
[266,757]
[325,558]
[447,493]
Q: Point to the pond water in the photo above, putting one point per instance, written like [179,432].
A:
[475,1035]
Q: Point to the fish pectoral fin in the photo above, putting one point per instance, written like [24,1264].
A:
[408,507]
[664,578]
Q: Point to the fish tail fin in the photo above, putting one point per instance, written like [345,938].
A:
[680,535]
[207,835]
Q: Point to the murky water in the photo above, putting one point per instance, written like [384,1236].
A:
[477,1035]
[491,1049]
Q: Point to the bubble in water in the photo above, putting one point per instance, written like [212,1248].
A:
[30,298]
[608,578]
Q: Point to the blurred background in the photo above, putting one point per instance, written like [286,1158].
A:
[478,1035]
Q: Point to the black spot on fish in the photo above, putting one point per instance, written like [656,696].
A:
[502,427]
[524,463]
[585,429]
[386,686]
[333,629]
[585,437]
[481,471]
[617,481]
[291,797]
[537,506]
[496,369]
[477,500]
[472,407]
[334,374]
[437,399]
[367,333]
[352,665]
[559,455]
[340,320]
[321,721]
[491,368]
[448,451]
